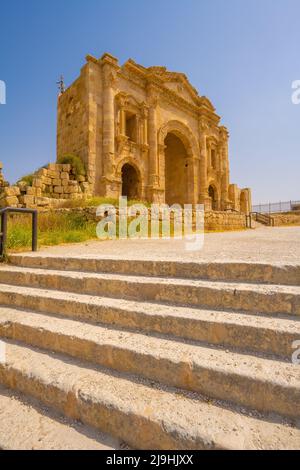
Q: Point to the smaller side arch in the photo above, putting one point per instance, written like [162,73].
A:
[214,194]
[130,178]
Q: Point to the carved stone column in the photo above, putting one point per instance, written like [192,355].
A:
[224,170]
[152,137]
[203,190]
[122,121]
[152,143]
[191,163]
[144,124]
[109,82]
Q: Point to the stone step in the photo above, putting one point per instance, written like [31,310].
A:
[258,383]
[144,415]
[263,298]
[259,333]
[220,271]
[25,424]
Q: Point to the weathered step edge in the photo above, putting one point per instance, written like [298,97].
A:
[196,325]
[217,271]
[213,380]
[142,424]
[243,297]
[26,425]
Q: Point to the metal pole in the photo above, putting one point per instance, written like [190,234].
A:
[34,231]
[1,241]
[4,231]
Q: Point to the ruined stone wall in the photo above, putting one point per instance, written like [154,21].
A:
[213,221]
[286,218]
[50,187]
[223,221]
[93,116]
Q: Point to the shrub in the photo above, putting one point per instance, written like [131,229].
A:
[75,162]
[28,179]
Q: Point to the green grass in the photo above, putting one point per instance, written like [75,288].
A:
[97,201]
[54,229]
[60,227]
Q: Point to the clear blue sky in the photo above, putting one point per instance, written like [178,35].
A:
[242,54]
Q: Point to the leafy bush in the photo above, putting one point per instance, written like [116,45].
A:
[75,162]
[28,179]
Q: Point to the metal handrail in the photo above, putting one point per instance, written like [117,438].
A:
[248,221]
[3,234]
[264,218]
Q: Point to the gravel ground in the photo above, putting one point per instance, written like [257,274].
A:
[264,244]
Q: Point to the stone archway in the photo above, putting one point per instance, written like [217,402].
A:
[213,194]
[130,182]
[176,171]
[179,150]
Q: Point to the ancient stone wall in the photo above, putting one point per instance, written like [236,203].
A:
[223,221]
[286,218]
[113,116]
[50,187]
[213,221]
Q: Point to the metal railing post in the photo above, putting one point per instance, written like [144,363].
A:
[34,231]
[4,231]
[34,224]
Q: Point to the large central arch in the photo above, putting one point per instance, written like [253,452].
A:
[179,150]
[176,171]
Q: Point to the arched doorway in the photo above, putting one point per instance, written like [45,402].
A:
[212,192]
[176,170]
[130,182]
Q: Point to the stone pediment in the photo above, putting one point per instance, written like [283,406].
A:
[176,82]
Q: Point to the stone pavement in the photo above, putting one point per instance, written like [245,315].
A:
[264,244]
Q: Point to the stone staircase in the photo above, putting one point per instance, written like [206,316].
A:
[153,355]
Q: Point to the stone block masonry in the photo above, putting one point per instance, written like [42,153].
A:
[213,221]
[146,133]
[50,186]
[287,218]
[181,355]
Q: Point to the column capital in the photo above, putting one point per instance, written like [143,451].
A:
[122,99]
[144,110]
[224,134]
[153,95]
[109,79]
[204,125]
